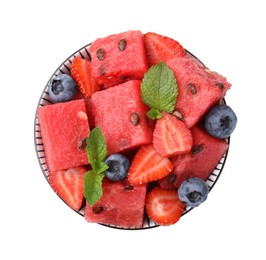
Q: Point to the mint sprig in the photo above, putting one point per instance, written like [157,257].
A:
[159,90]
[96,151]
[93,186]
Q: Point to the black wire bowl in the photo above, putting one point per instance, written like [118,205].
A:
[45,100]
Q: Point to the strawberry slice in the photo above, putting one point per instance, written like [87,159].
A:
[171,136]
[81,72]
[161,48]
[69,185]
[148,165]
[163,206]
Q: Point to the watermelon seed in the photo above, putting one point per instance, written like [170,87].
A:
[100,54]
[220,85]
[82,115]
[134,118]
[125,77]
[82,144]
[178,114]
[97,209]
[171,178]
[129,187]
[197,149]
[192,88]
[102,70]
[122,44]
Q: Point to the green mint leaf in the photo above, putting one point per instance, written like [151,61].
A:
[96,149]
[159,89]
[102,167]
[154,114]
[93,186]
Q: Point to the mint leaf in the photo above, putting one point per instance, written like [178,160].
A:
[159,90]
[102,167]
[154,114]
[96,149]
[93,186]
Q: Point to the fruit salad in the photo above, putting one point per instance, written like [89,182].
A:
[131,129]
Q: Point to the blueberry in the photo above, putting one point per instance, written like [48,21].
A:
[220,121]
[193,191]
[118,167]
[62,88]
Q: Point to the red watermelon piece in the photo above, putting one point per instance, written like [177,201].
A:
[63,128]
[198,88]
[89,112]
[200,162]
[121,116]
[118,58]
[121,205]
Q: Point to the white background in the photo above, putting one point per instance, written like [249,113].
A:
[36,37]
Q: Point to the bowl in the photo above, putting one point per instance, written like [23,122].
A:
[44,100]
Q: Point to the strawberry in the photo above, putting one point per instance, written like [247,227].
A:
[148,165]
[163,206]
[69,185]
[161,48]
[171,136]
[81,72]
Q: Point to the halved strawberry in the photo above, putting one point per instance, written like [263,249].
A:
[69,185]
[163,206]
[161,48]
[81,72]
[171,136]
[148,165]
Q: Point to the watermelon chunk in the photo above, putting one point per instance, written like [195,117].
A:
[63,128]
[121,205]
[121,116]
[198,87]
[118,58]
[200,162]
